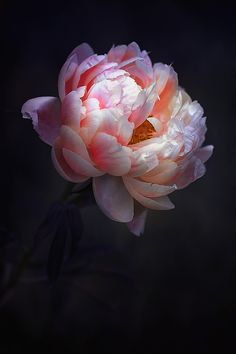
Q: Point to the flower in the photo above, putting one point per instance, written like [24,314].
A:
[126,124]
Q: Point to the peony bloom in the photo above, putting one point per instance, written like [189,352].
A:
[126,124]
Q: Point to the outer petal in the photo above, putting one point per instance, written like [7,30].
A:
[109,155]
[85,67]
[161,174]
[190,172]
[79,165]
[205,153]
[151,190]
[137,224]
[61,165]
[113,198]
[116,54]
[78,55]
[45,115]
[73,142]
[161,203]
[71,110]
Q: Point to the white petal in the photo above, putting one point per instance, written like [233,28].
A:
[142,161]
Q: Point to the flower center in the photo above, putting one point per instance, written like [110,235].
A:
[143,132]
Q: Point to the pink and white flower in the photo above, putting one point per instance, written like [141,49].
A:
[126,124]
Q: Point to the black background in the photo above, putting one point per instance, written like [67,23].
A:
[182,294]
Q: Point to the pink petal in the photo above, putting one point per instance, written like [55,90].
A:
[162,73]
[133,50]
[45,115]
[91,104]
[109,155]
[81,70]
[110,121]
[167,89]
[137,224]
[93,72]
[89,126]
[73,142]
[79,165]
[140,69]
[82,51]
[160,203]
[71,110]
[117,53]
[76,57]
[151,190]
[113,198]
[61,165]
[144,105]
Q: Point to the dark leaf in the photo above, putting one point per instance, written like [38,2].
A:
[76,227]
[49,225]
[57,249]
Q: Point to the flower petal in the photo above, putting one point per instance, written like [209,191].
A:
[167,89]
[161,174]
[142,161]
[71,110]
[61,165]
[190,172]
[45,115]
[117,53]
[109,155]
[151,190]
[113,198]
[84,67]
[82,51]
[79,165]
[137,224]
[204,153]
[73,142]
[160,203]
[78,55]
[143,105]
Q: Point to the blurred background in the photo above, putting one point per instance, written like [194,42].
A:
[173,289]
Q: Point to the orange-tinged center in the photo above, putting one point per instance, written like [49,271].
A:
[143,132]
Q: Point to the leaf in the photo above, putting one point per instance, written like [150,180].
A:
[76,227]
[57,250]
[65,241]
[49,225]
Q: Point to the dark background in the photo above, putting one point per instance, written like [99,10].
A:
[178,292]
